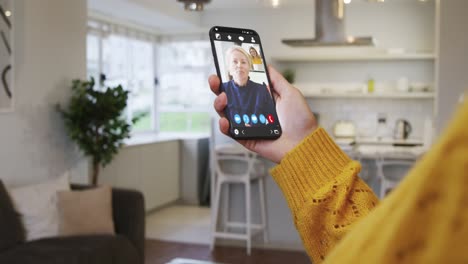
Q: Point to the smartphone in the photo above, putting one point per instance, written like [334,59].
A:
[240,64]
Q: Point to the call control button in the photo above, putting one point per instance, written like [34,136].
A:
[246,118]
[254,118]
[237,118]
[270,118]
[262,119]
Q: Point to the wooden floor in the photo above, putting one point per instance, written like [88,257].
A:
[160,252]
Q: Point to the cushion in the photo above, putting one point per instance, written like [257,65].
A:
[37,205]
[86,212]
[11,228]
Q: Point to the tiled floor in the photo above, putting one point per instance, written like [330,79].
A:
[180,223]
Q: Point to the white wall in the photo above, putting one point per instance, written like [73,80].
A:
[452,58]
[404,24]
[50,51]
[364,113]
[408,25]
[5,59]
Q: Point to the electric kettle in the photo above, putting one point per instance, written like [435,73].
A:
[402,129]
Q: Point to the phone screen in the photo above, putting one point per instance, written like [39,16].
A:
[241,66]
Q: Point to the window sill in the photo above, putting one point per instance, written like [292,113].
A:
[151,138]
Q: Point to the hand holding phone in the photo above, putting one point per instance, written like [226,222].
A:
[241,67]
[293,112]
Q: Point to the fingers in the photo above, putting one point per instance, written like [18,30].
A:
[280,85]
[214,82]
[220,103]
[224,126]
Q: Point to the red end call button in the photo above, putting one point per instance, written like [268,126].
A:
[270,118]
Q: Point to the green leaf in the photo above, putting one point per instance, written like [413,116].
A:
[94,119]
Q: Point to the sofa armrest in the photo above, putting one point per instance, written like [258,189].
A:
[128,208]
[129,217]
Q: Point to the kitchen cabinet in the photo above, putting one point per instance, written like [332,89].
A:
[153,169]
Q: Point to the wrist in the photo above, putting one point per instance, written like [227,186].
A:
[295,142]
[317,148]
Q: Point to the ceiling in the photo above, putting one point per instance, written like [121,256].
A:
[226,4]
[242,4]
[239,4]
[169,15]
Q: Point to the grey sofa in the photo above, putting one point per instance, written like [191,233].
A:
[127,246]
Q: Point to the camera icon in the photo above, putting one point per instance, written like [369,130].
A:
[218,36]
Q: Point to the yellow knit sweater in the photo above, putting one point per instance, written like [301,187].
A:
[424,220]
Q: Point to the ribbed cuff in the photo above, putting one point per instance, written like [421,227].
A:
[316,161]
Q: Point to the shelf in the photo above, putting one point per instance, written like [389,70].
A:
[420,95]
[354,57]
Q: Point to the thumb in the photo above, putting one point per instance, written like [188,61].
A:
[279,84]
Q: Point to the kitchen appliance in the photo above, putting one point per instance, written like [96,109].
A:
[345,135]
[344,130]
[402,129]
[329,28]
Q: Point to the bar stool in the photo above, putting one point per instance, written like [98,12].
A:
[399,168]
[254,171]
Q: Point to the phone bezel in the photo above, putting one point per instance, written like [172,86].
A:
[220,29]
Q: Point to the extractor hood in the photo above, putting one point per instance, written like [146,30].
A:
[329,28]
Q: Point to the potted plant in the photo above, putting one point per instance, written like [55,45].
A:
[289,75]
[94,120]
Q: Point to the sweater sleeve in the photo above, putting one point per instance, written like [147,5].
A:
[323,190]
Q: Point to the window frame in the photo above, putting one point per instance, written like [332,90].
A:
[102,30]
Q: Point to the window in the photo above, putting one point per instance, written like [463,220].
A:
[92,56]
[129,62]
[184,97]
[167,81]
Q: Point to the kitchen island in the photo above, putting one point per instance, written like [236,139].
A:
[281,229]
[372,152]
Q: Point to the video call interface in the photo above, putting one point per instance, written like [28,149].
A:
[250,102]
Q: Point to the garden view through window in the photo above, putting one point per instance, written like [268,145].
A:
[167,80]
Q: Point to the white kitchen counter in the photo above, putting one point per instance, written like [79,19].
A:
[366,148]
[375,148]
[389,151]
[388,141]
